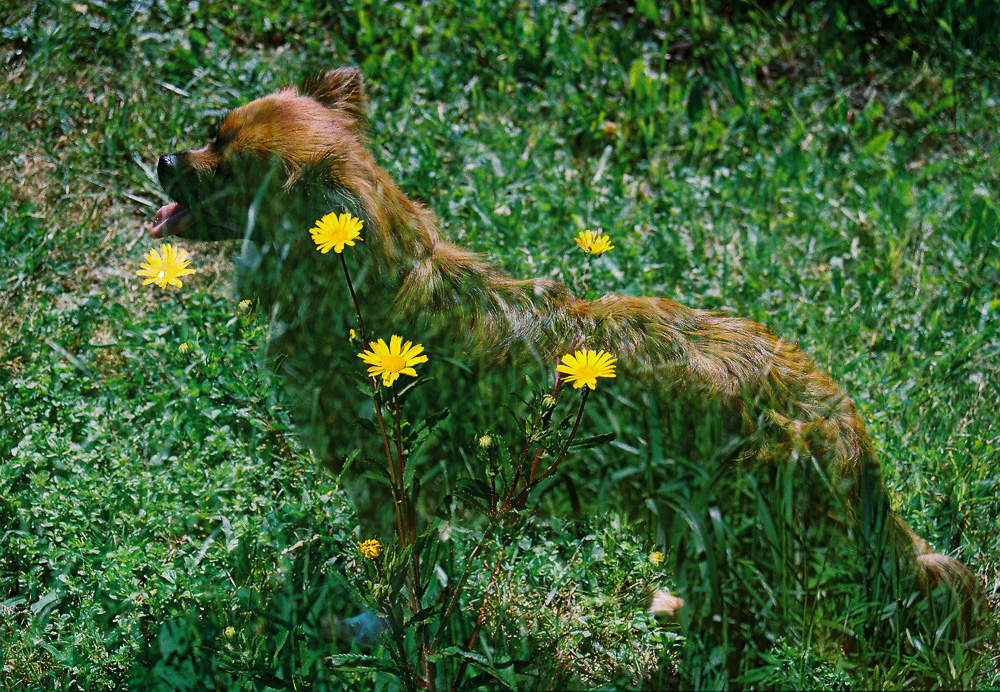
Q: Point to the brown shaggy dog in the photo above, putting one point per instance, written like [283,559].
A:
[282,161]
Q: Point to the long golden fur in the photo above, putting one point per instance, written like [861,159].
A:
[286,159]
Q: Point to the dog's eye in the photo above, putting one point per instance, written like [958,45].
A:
[223,136]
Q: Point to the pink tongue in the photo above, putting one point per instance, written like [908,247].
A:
[170,219]
[165,211]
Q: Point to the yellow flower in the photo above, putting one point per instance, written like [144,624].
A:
[165,266]
[230,632]
[593,243]
[353,335]
[586,366]
[370,549]
[656,558]
[333,232]
[389,361]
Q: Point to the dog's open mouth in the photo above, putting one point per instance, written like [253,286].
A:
[171,219]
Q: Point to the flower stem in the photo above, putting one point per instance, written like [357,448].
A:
[397,484]
[404,516]
[453,602]
[354,298]
[399,434]
[569,440]
[409,514]
[532,481]
[543,422]
[480,619]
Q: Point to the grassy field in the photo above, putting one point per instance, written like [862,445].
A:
[830,170]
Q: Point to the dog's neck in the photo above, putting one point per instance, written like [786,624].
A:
[438,282]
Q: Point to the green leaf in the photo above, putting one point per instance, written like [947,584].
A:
[348,462]
[637,79]
[377,473]
[368,425]
[482,663]
[359,662]
[696,99]
[48,598]
[473,487]
[474,492]
[877,144]
[592,441]
[413,385]
[424,614]
[648,9]
[279,642]
[408,472]
[426,427]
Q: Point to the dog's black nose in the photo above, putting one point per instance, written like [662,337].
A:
[166,165]
[167,172]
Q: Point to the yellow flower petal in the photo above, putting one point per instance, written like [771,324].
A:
[593,243]
[334,232]
[584,367]
[391,361]
[164,266]
[370,549]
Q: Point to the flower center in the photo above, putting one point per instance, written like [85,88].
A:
[586,372]
[393,363]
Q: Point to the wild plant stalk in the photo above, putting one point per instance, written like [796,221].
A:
[405,519]
[417,589]
[529,484]
[542,423]
[585,276]
[480,619]
[532,481]
[397,498]
[405,502]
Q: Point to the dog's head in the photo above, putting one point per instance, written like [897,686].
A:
[290,143]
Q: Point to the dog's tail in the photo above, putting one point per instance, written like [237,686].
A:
[953,591]
[952,597]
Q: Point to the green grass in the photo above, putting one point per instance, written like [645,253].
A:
[831,171]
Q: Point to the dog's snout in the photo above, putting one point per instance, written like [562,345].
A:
[169,173]
[167,165]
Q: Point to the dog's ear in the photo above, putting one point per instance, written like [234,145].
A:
[342,90]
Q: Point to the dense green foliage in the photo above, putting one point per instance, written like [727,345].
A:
[831,170]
